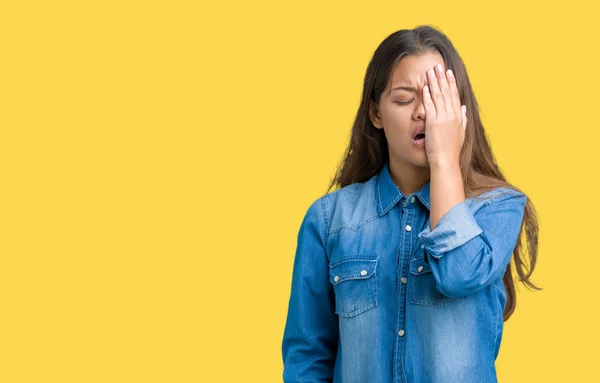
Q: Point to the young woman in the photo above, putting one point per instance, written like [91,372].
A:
[403,274]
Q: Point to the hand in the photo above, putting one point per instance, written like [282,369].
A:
[445,118]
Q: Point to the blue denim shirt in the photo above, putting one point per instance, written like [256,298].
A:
[376,296]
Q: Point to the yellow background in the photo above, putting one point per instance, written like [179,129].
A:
[157,158]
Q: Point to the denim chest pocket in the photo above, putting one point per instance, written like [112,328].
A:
[355,285]
[423,286]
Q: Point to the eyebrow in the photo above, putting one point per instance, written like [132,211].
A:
[405,88]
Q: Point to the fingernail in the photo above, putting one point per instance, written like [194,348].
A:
[439,68]
[450,73]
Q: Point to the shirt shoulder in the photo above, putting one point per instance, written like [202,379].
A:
[494,196]
[351,206]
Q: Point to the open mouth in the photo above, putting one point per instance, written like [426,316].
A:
[419,136]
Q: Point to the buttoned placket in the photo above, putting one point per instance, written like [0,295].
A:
[407,218]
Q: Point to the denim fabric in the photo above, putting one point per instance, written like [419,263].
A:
[376,296]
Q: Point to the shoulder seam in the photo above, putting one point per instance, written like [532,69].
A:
[325,212]
[508,195]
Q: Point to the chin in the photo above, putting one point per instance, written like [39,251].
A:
[421,161]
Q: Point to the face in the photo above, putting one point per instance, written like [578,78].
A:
[401,111]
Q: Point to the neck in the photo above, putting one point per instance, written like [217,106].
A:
[409,178]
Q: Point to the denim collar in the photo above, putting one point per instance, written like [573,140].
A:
[388,194]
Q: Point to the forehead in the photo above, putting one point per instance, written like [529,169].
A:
[411,70]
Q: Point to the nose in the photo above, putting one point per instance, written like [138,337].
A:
[419,112]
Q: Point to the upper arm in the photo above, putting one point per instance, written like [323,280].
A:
[311,332]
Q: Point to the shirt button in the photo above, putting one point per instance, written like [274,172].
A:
[363,273]
[336,279]
[420,269]
[403,279]
[408,228]
[401,333]
[412,199]
[404,203]
[422,246]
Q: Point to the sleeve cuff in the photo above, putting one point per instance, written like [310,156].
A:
[455,228]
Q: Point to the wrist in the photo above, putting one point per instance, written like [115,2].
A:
[443,163]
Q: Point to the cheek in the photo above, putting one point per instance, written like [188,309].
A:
[397,136]
[398,121]
[397,114]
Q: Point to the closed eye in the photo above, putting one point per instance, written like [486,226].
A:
[403,102]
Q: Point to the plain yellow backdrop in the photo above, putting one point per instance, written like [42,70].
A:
[157,158]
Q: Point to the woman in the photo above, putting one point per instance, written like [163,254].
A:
[403,274]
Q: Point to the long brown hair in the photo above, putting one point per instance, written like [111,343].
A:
[368,149]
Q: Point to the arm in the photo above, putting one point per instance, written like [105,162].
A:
[446,189]
[469,251]
[311,332]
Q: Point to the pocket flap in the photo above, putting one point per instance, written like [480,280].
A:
[419,266]
[352,269]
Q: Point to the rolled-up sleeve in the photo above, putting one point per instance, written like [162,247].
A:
[310,337]
[468,251]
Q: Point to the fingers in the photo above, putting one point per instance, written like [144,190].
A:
[430,112]
[445,90]
[435,91]
[455,97]
[441,96]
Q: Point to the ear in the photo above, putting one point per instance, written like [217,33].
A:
[374,115]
